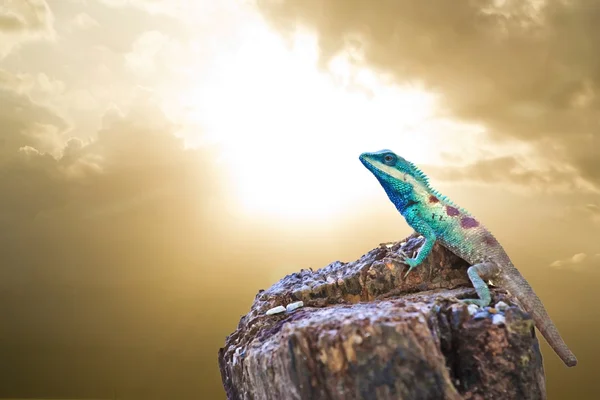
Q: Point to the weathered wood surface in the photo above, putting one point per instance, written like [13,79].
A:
[367,333]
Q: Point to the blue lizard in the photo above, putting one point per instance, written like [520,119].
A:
[436,218]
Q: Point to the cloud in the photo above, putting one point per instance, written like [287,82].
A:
[581,212]
[25,122]
[524,70]
[19,83]
[135,156]
[92,228]
[169,7]
[30,176]
[150,52]
[575,260]
[83,21]
[23,20]
[593,208]
[512,170]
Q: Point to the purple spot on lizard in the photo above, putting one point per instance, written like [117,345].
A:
[433,199]
[452,211]
[468,222]
[490,240]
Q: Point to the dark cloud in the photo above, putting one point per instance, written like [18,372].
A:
[11,22]
[524,71]
[22,20]
[506,169]
[29,178]
[25,15]
[92,238]
[131,155]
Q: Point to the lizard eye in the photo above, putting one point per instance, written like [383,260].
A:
[389,159]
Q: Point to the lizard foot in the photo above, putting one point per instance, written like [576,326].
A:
[405,259]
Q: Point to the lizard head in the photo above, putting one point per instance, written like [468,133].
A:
[400,178]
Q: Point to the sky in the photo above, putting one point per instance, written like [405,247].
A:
[163,160]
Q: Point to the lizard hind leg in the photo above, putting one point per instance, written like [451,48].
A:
[479,274]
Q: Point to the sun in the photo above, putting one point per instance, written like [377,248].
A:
[291,132]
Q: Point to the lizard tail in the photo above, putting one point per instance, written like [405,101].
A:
[518,286]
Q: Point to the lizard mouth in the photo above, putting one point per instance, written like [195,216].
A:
[383,171]
[363,159]
[372,167]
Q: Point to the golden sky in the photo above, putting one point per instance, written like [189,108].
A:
[162,160]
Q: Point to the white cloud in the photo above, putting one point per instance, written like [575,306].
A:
[173,8]
[83,21]
[575,260]
[149,53]
[579,257]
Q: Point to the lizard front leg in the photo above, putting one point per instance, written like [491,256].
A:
[420,226]
[479,274]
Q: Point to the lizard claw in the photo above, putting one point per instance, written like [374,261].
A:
[411,262]
[407,272]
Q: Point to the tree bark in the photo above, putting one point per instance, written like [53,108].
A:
[365,332]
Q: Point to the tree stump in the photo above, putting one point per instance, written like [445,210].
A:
[365,332]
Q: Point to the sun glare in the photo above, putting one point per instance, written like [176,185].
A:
[290,132]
